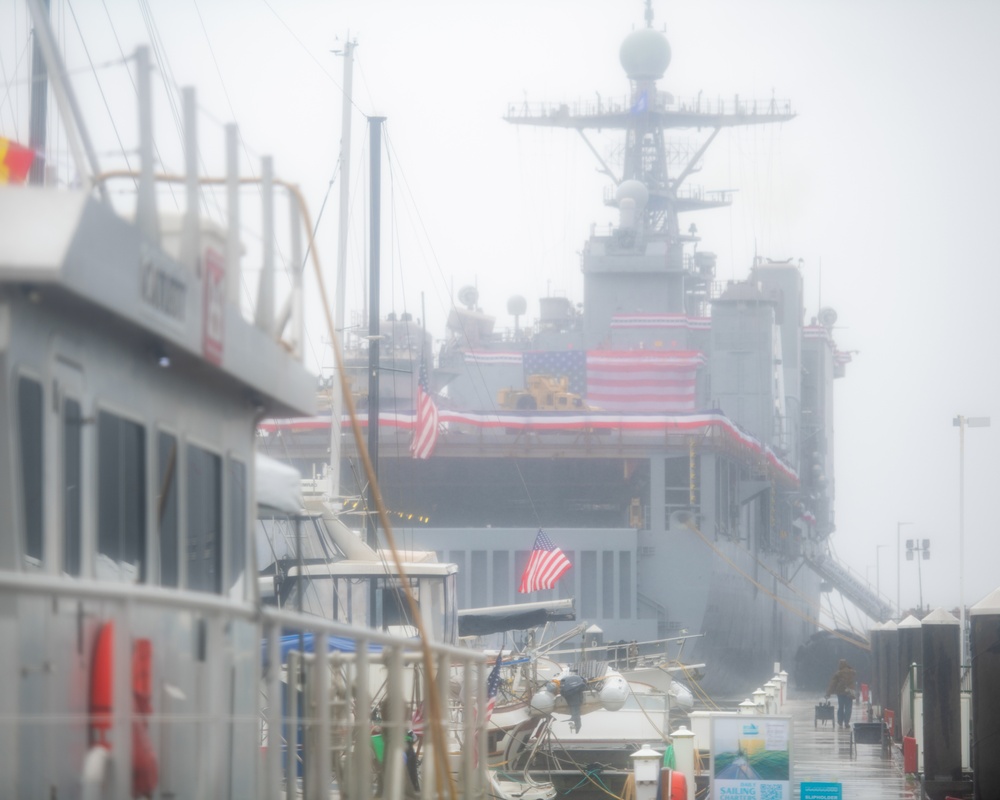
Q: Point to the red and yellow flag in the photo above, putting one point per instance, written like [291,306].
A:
[15,161]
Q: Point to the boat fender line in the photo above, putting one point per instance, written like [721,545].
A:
[145,768]
[673,785]
[95,784]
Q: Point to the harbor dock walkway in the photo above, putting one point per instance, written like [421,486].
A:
[825,753]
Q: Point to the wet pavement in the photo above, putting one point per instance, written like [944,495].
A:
[825,753]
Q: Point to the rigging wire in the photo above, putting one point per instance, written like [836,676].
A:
[5,101]
[100,87]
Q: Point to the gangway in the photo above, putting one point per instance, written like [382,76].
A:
[830,570]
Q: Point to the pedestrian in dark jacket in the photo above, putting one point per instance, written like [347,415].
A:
[842,684]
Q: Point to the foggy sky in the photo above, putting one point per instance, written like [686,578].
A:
[885,185]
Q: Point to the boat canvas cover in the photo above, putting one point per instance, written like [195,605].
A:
[279,486]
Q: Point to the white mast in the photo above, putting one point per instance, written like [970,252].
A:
[336,396]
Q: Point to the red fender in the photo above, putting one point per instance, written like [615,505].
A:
[145,768]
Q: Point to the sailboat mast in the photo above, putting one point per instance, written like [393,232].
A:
[39,108]
[374,341]
[337,405]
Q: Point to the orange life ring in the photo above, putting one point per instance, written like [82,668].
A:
[673,785]
[145,769]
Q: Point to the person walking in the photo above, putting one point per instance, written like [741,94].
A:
[842,684]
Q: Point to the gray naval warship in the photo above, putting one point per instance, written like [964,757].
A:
[672,434]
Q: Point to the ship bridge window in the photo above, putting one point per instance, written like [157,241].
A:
[121,506]
[166,517]
[29,417]
[72,475]
[204,520]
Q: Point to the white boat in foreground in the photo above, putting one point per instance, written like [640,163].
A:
[138,660]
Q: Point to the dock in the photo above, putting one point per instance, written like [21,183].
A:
[825,753]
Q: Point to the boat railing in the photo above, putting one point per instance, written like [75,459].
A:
[327,736]
[663,102]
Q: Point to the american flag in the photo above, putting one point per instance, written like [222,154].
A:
[569,364]
[493,686]
[661,381]
[425,433]
[546,566]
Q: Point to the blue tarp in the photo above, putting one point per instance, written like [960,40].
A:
[304,643]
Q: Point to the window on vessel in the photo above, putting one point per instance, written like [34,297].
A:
[588,578]
[501,577]
[29,417]
[204,520]
[121,499]
[391,606]
[72,474]
[478,576]
[237,528]
[457,557]
[567,583]
[608,584]
[624,584]
[166,508]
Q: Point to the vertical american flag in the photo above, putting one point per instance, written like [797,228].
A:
[425,432]
[493,687]
[546,566]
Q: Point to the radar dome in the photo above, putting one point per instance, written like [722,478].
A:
[516,305]
[645,55]
[633,190]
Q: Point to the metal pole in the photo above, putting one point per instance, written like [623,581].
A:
[374,343]
[340,303]
[961,422]
[899,560]
[961,540]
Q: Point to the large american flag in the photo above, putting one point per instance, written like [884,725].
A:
[546,566]
[662,381]
[425,433]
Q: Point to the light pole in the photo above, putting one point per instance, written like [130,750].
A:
[878,576]
[961,423]
[899,559]
[923,550]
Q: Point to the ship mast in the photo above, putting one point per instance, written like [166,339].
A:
[648,241]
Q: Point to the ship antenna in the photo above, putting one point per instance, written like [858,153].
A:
[649,13]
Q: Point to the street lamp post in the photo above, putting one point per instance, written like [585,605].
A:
[878,575]
[922,549]
[899,559]
[962,423]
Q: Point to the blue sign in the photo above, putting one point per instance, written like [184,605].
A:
[821,791]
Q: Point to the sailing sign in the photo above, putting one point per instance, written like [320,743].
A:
[751,758]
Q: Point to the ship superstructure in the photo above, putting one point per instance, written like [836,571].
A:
[696,485]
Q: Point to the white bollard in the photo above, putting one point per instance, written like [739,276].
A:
[760,700]
[784,686]
[748,707]
[646,764]
[684,757]
[769,694]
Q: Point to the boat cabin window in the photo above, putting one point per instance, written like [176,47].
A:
[204,520]
[72,475]
[166,494]
[29,417]
[237,527]
[121,499]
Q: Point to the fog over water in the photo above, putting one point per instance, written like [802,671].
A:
[886,186]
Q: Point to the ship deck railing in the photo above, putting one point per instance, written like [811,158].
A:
[331,746]
[664,102]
